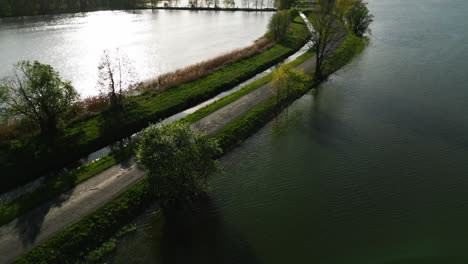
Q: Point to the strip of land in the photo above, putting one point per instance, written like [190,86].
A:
[29,230]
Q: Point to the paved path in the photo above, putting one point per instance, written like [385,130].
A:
[29,230]
[232,111]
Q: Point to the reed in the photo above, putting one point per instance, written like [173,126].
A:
[204,68]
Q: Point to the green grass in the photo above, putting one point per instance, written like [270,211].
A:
[78,241]
[81,138]
[234,96]
[55,187]
[92,236]
[98,254]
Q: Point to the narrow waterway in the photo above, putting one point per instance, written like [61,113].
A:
[157,41]
[372,169]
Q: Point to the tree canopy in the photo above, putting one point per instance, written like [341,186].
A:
[279,25]
[355,15]
[179,162]
[37,93]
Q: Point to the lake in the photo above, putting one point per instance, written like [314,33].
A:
[156,41]
[371,169]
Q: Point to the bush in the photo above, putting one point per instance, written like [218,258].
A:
[279,25]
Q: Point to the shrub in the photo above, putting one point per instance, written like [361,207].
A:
[279,24]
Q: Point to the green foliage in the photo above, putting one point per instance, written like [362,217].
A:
[234,96]
[351,46]
[98,254]
[355,15]
[77,241]
[284,4]
[5,8]
[103,129]
[38,94]
[240,129]
[359,18]
[179,161]
[99,227]
[287,79]
[279,24]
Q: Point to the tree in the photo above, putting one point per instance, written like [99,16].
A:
[179,162]
[37,93]
[284,4]
[326,35]
[229,3]
[286,78]
[358,18]
[279,25]
[117,76]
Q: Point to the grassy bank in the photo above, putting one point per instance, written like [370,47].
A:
[79,240]
[68,180]
[104,128]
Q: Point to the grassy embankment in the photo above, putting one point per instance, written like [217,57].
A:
[102,129]
[94,230]
[147,108]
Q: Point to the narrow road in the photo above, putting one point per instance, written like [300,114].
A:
[29,230]
[218,119]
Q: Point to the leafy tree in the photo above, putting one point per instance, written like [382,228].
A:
[285,79]
[359,18]
[284,4]
[117,76]
[179,162]
[36,92]
[279,25]
[229,3]
[327,33]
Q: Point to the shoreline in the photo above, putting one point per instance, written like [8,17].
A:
[228,9]
[255,118]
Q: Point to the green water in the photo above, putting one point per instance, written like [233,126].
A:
[372,169]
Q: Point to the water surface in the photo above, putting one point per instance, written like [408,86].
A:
[372,169]
[156,41]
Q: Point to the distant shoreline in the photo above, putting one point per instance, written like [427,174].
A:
[233,9]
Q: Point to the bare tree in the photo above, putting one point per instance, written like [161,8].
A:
[117,76]
[328,32]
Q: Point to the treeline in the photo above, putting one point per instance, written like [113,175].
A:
[37,7]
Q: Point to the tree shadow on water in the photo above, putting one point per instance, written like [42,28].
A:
[201,236]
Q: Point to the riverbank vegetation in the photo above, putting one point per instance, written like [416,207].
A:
[77,241]
[13,8]
[37,94]
[54,186]
[205,68]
